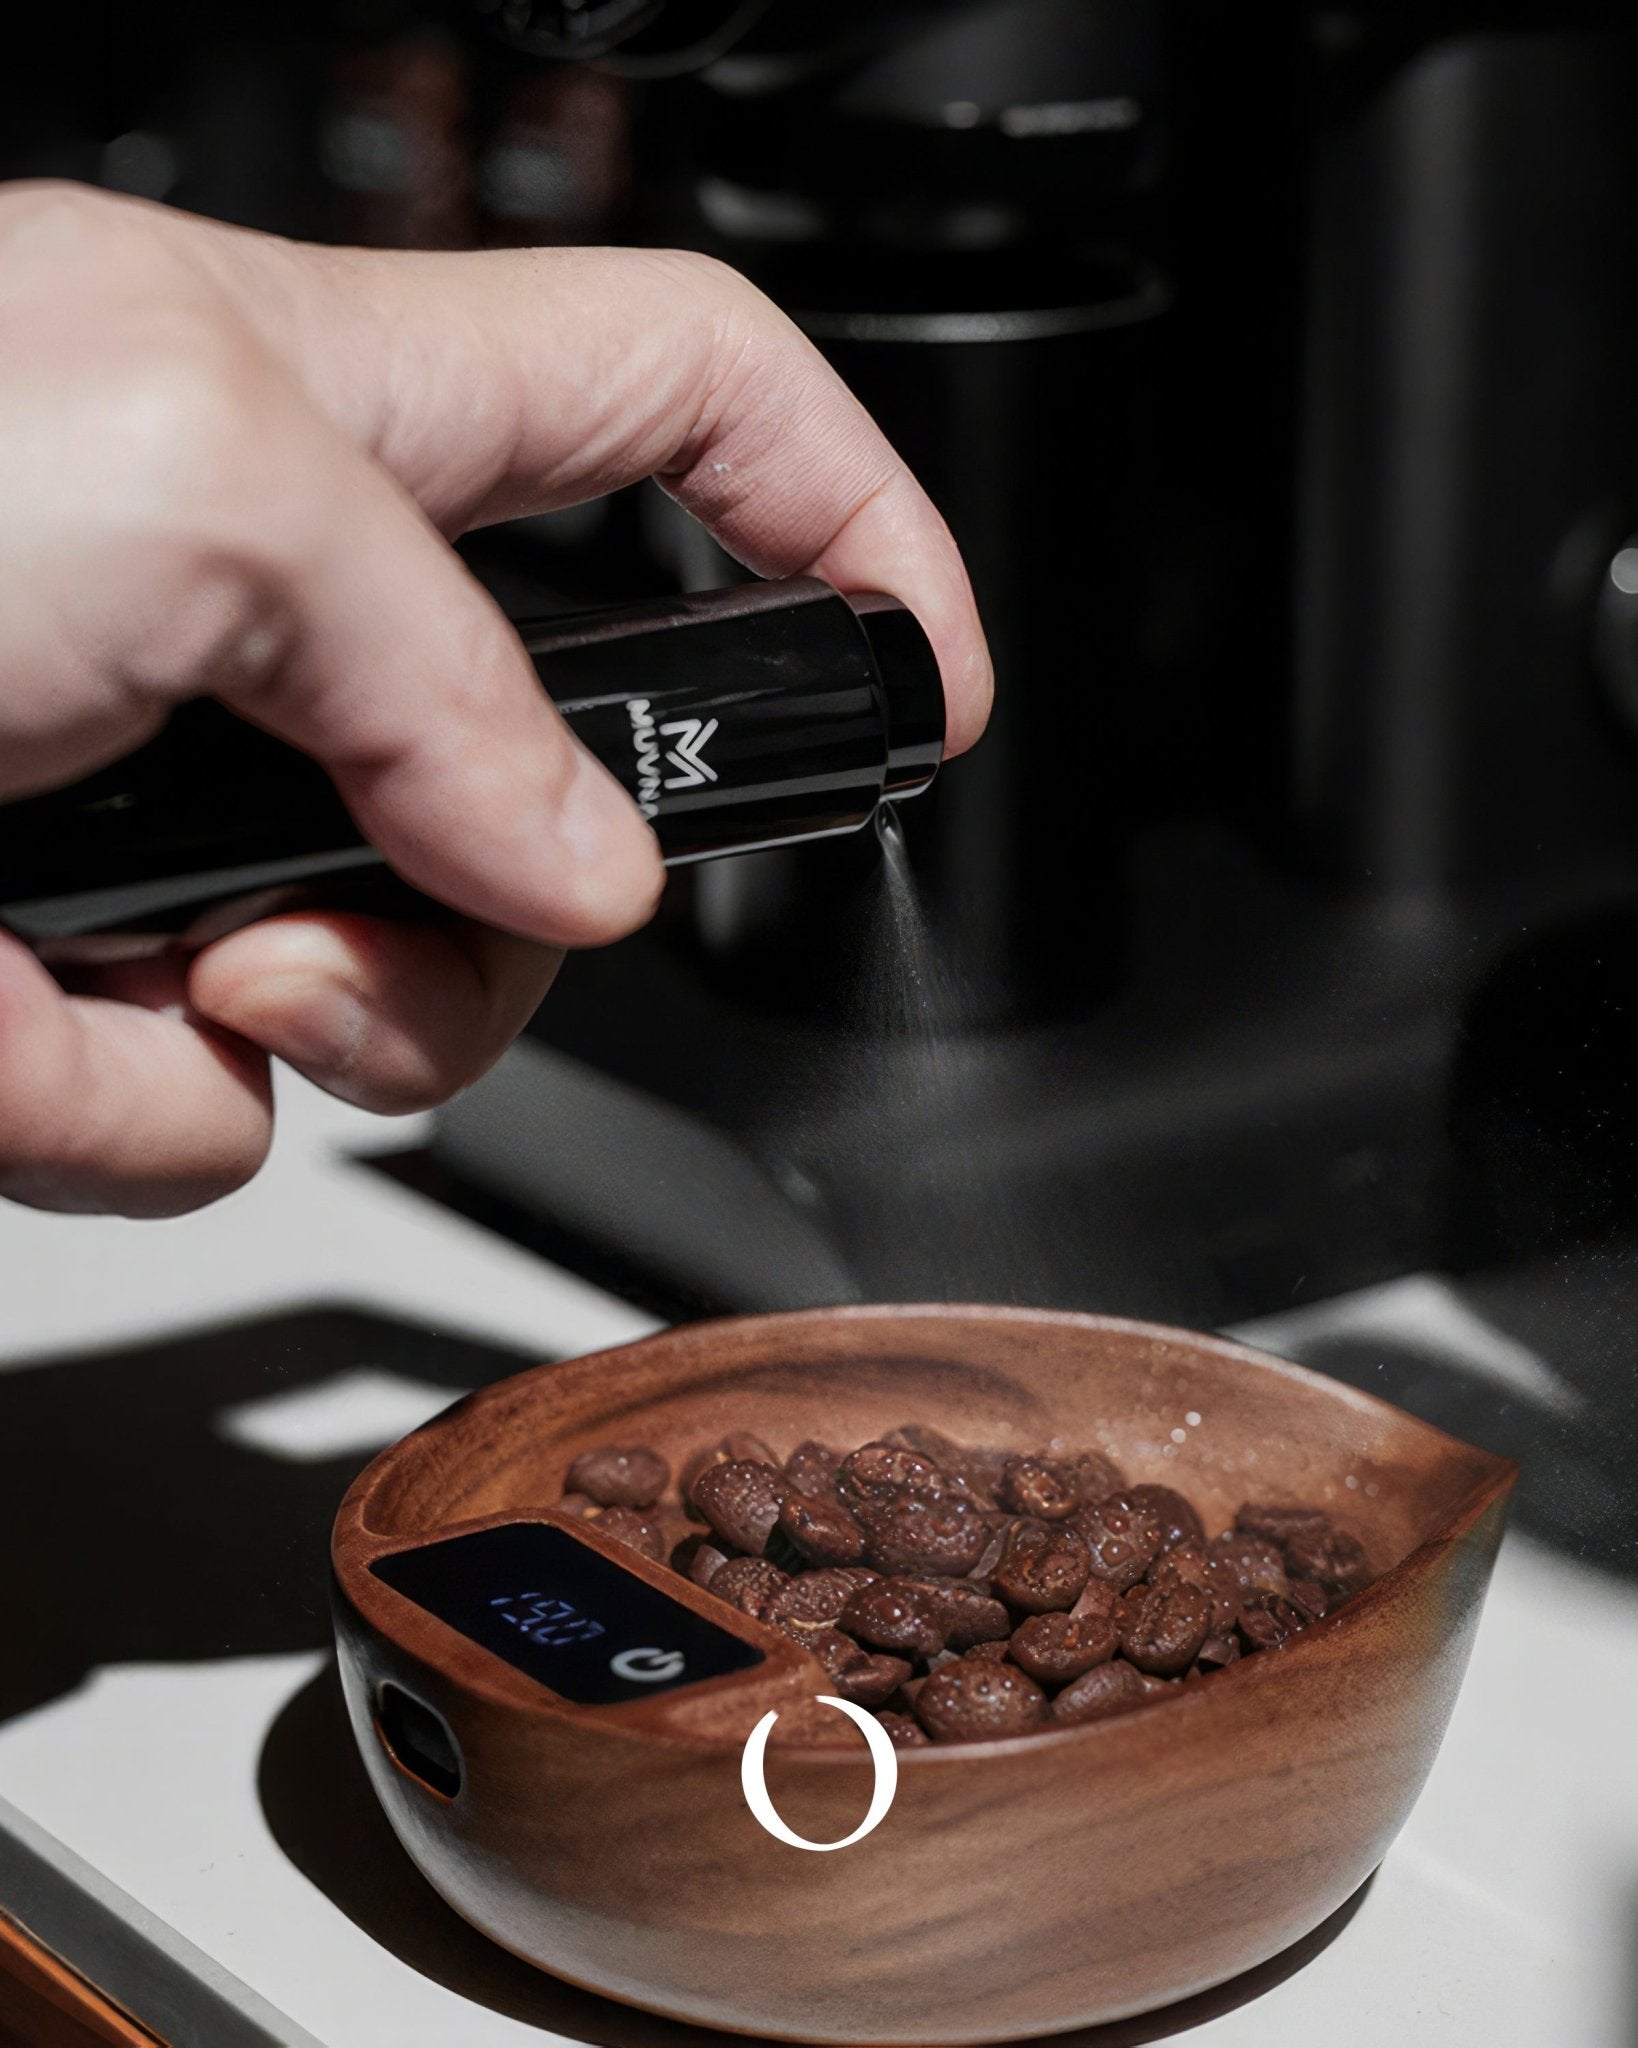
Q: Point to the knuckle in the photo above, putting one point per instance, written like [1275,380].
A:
[101,252]
[186,427]
[719,286]
[187,408]
[709,273]
[56,213]
[192,410]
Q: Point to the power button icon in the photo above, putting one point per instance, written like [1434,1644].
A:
[648,1667]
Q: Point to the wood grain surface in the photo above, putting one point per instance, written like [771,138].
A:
[1015,1888]
[45,2004]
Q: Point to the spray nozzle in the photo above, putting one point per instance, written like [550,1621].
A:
[911,687]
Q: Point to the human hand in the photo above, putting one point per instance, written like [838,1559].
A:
[233,468]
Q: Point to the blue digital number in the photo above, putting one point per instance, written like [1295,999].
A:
[552,1623]
[575,1628]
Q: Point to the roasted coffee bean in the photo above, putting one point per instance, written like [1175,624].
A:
[894,1566]
[923,1531]
[1185,1564]
[1122,1538]
[995,1543]
[1054,1648]
[1217,1650]
[1250,1563]
[1107,1689]
[871,1681]
[617,1477]
[810,1724]
[1258,1627]
[976,1701]
[973,1472]
[1096,1477]
[895,1614]
[811,1600]
[876,1475]
[1162,1627]
[1332,1557]
[966,1612]
[741,1500]
[1175,1518]
[1036,1486]
[1266,1620]
[904,1731]
[833,1649]
[1099,1602]
[1276,1524]
[699,1557]
[995,1652]
[820,1529]
[811,1469]
[932,1444]
[1093,1624]
[981,1472]
[1043,1568]
[747,1583]
[627,1526]
[738,1447]
[1225,1598]
[1191,1565]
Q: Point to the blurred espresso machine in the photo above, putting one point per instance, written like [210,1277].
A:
[1277,370]
[1274,369]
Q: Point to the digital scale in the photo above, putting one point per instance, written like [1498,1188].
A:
[574,1619]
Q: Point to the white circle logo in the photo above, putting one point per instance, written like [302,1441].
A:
[883,1756]
[647,1667]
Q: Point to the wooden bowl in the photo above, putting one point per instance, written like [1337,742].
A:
[1014,1888]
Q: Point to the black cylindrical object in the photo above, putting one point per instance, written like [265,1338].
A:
[1470,458]
[735,718]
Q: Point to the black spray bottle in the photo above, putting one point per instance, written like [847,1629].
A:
[736,719]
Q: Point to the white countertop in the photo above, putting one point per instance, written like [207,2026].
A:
[197,1830]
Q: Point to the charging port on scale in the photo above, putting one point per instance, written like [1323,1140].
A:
[418,1739]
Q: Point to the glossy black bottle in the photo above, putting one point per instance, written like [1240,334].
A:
[736,719]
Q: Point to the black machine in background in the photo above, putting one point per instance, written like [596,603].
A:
[1273,368]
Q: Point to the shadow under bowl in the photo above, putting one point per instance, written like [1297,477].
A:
[1014,1888]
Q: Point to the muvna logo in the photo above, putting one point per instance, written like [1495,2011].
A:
[687,756]
[648,755]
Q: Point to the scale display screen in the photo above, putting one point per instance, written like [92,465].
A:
[556,1609]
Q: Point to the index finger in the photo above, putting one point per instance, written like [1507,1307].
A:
[497,383]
